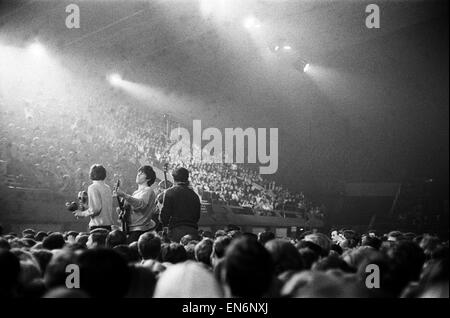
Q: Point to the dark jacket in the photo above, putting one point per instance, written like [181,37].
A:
[181,206]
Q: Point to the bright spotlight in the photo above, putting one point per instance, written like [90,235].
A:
[37,49]
[251,23]
[306,67]
[287,47]
[114,79]
[302,66]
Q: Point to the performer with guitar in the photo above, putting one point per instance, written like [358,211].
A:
[142,204]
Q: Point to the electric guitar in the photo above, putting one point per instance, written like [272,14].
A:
[125,209]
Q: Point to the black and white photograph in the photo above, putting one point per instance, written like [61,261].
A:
[224,153]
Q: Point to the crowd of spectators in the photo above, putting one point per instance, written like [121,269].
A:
[50,145]
[227,263]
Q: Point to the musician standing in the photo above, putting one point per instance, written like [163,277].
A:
[142,202]
[181,207]
[100,206]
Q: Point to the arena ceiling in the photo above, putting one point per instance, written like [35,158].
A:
[377,110]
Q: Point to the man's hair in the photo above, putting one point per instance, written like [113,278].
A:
[284,255]
[149,173]
[220,245]
[149,246]
[40,236]
[248,268]
[186,239]
[128,253]
[173,253]
[55,271]
[203,251]
[97,172]
[180,174]
[53,241]
[103,273]
[115,237]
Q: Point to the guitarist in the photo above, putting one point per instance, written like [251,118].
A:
[142,203]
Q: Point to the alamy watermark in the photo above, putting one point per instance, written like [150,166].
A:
[229,147]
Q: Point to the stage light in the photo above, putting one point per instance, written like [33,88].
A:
[302,66]
[251,23]
[114,79]
[37,49]
[287,47]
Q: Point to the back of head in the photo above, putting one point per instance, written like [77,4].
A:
[55,272]
[248,268]
[284,255]
[103,273]
[115,237]
[96,240]
[142,283]
[149,246]
[180,175]
[203,251]
[97,172]
[129,254]
[187,280]
[220,245]
[173,253]
[53,241]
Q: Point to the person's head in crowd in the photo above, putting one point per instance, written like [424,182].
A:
[96,240]
[82,239]
[4,244]
[62,292]
[40,236]
[142,282]
[28,242]
[103,273]
[97,172]
[29,266]
[173,253]
[320,240]
[284,255]
[309,256]
[395,236]
[180,175]
[234,234]
[336,249]
[188,279]
[248,269]
[407,260]
[43,257]
[409,236]
[149,246]
[9,274]
[28,236]
[316,284]
[55,272]
[154,266]
[146,175]
[70,237]
[265,236]
[428,244]
[203,251]
[190,250]
[219,233]
[219,247]
[186,239]
[332,262]
[434,282]
[17,243]
[355,257]
[28,232]
[53,241]
[114,238]
[128,253]
[371,241]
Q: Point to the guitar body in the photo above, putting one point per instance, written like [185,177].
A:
[125,210]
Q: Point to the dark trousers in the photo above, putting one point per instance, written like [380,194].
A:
[106,227]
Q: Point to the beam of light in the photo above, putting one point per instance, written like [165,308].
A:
[37,49]
[251,23]
[115,79]
[306,67]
